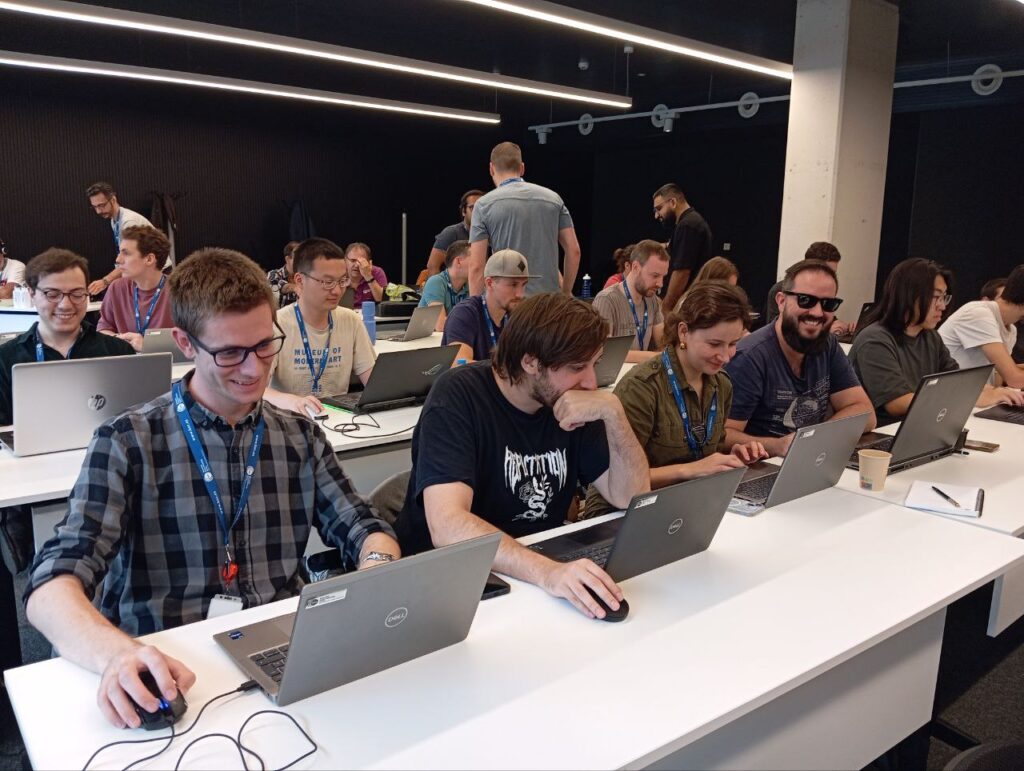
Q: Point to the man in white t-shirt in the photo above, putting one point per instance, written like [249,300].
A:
[324,344]
[984,331]
[103,200]
[12,273]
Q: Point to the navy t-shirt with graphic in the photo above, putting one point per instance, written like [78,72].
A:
[773,400]
[523,468]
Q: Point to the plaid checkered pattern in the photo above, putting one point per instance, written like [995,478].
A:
[142,531]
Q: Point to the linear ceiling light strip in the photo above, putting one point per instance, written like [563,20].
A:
[633,33]
[78,12]
[106,69]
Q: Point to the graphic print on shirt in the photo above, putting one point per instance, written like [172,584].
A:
[804,409]
[534,480]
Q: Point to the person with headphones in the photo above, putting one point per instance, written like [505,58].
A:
[457,232]
[12,273]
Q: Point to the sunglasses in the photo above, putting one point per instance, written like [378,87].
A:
[808,301]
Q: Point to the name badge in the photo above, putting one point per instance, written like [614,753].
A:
[222,604]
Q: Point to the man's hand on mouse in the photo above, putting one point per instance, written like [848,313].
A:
[569,579]
[121,689]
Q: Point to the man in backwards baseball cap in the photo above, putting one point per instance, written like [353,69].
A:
[476,323]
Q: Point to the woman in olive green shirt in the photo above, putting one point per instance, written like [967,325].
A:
[677,402]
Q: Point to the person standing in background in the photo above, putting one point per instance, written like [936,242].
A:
[282,280]
[103,200]
[457,232]
[690,245]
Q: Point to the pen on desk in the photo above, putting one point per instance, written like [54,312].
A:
[946,497]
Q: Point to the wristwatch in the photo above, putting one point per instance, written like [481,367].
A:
[378,556]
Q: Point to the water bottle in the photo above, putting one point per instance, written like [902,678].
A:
[21,297]
[586,293]
[460,362]
[370,320]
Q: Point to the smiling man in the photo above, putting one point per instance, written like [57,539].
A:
[788,375]
[156,536]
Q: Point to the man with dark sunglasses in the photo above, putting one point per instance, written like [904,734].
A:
[196,504]
[792,373]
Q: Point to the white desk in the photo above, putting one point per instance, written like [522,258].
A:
[806,637]
[19,319]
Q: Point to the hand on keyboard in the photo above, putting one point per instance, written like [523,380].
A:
[750,452]
[569,579]
[712,464]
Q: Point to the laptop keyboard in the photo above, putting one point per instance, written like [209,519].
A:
[7,439]
[756,490]
[399,338]
[272,662]
[885,443]
[596,553]
[1004,413]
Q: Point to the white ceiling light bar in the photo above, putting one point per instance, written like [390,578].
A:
[58,64]
[634,33]
[58,9]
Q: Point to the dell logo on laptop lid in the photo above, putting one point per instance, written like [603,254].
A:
[942,414]
[820,459]
[396,617]
[675,527]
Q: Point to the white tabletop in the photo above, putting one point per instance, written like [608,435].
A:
[777,600]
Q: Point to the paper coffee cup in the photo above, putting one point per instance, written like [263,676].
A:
[874,467]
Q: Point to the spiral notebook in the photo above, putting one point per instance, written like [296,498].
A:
[922,496]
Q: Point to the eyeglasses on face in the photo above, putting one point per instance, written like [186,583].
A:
[232,357]
[56,295]
[808,301]
[330,283]
[659,206]
[942,299]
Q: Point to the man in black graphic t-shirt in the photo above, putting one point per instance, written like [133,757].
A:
[503,444]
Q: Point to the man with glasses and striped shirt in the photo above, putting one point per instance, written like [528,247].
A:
[198,503]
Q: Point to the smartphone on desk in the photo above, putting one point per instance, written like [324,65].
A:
[495,587]
[977,444]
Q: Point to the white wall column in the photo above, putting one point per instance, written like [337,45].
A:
[844,59]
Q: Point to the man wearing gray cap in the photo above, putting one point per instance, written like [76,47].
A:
[476,322]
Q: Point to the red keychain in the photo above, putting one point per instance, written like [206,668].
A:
[229,570]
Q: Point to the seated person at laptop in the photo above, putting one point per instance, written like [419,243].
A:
[155,537]
[501,445]
[899,345]
[476,323]
[324,344]
[451,285]
[700,337]
[12,273]
[790,374]
[827,253]
[138,300]
[632,307]
[368,281]
[985,331]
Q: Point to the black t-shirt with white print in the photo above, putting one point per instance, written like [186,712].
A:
[523,468]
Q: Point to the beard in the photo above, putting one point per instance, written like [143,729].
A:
[669,220]
[542,391]
[809,346]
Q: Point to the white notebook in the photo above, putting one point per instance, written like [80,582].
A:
[922,496]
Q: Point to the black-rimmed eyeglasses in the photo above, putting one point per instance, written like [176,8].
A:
[232,357]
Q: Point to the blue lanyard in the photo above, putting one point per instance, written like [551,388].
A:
[641,332]
[315,374]
[230,569]
[116,223]
[453,296]
[490,322]
[140,325]
[696,449]
[39,347]
[510,181]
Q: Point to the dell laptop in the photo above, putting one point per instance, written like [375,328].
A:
[937,414]
[815,461]
[421,324]
[161,341]
[399,379]
[363,622]
[659,527]
[58,404]
[610,364]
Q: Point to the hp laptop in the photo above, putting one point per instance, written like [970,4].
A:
[931,428]
[420,325]
[58,404]
[815,461]
[399,379]
[608,366]
[659,527]
[161,341]
[364,622]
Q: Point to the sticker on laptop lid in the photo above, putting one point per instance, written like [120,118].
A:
[325,599]
[932,382]
[808,433]
[650,499]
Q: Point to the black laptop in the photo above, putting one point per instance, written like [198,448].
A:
[865,309]
[1006,413]
[399,379]
[608,366]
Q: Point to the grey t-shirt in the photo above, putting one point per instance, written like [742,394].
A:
[526,217]
[614,308]
[451,234]
[890,367]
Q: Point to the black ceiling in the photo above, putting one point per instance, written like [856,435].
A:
[938,34]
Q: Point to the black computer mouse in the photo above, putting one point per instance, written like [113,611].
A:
[609,614]
[168,712]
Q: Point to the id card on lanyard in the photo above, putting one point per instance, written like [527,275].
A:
[315,374]
[697,448]
[641,331]
[142,325]
[229,570]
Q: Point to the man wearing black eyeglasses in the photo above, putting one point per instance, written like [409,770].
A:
[793,373]
[198,503]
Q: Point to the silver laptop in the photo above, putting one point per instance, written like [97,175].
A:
[364,622]
[161,341]
[662,526]
[614,356]
[58,404]
[421,324]
[815,461]
[936,416]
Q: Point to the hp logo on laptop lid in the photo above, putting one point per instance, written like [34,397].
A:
[97,402]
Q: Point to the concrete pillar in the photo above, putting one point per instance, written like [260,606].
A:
[844,59]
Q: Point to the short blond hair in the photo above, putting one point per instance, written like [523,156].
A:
[214,281]
[507,157]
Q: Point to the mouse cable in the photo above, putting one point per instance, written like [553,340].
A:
[352,426]
[246,686]
[237,741]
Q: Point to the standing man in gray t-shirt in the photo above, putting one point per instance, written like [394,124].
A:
[529,218]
